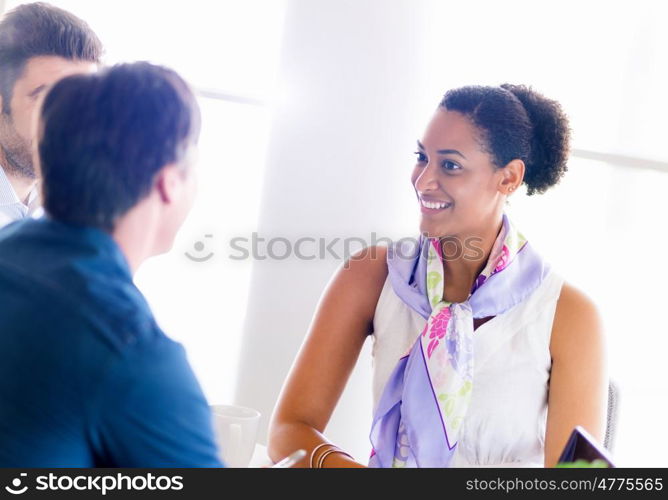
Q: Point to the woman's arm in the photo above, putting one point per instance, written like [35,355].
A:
[341,325]
[579,379]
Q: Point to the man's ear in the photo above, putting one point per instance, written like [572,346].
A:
[168,183]
[513,175]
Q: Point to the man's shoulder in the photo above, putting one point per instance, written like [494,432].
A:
[84,287]
[119,309]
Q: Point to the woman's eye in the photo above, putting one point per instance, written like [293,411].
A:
[449,165]
[421,157]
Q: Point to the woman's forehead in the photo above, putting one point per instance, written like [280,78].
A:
[451,130]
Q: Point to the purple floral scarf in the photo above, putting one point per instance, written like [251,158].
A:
[424,403]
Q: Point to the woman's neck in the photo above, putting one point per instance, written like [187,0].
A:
[464,258]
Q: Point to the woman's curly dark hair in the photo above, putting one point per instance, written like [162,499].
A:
[517,122]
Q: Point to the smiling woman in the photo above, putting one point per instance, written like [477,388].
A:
[483,356]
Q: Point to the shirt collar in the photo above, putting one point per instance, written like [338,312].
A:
[9,198]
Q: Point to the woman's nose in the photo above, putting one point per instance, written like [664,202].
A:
[428,179]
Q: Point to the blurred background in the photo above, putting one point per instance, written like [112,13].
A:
[311,110]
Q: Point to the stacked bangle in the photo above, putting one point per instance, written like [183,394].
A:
[317,464]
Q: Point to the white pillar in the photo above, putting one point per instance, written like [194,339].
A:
[348,123]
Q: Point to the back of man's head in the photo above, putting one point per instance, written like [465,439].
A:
[40,29]
[105,137]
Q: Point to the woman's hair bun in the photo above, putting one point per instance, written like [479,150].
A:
[550,142]
[515,121]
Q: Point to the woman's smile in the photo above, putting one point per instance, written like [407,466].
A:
[433,206]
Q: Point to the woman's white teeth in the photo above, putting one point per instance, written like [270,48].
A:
[434,204]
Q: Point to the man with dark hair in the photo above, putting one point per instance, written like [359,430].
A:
[39,44]
[87,378]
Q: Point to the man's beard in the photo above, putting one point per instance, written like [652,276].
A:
[15,150]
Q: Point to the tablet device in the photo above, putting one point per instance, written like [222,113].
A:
[583,446]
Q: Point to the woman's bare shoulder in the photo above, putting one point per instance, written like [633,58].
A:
[361,278]
[368,265]
[577,321]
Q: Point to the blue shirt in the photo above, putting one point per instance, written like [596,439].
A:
[87,379]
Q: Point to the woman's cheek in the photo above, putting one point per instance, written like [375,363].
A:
[414,176]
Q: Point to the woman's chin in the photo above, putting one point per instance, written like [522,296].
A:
[432,230]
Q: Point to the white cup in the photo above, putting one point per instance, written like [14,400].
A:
[235,428]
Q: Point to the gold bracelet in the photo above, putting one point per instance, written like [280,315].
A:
[315,450]
[334,449]
[322,457]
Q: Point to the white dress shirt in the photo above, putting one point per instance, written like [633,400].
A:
[11,207]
